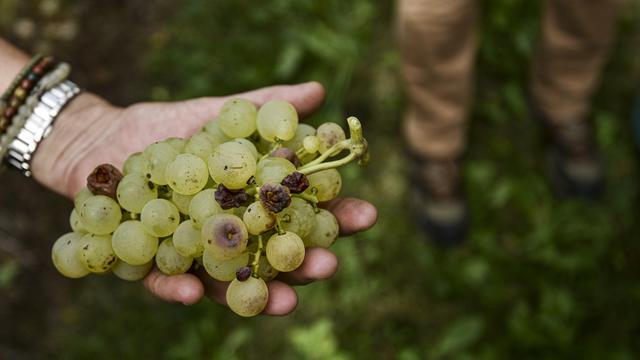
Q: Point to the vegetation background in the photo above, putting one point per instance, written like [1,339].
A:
[540,277]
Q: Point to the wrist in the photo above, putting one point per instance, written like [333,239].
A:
[78,126]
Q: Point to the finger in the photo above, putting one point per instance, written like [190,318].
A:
[183,288]
[282,297]
[305,97]
[353,214]
[318,264]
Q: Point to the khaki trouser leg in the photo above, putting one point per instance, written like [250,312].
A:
[438,44]
[576,38]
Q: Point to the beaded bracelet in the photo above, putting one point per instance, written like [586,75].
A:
[21,87]
[53,78]
[21,75]
[16,81]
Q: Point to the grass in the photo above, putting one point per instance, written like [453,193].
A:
[540,277]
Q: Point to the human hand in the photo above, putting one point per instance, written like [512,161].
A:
[91,132]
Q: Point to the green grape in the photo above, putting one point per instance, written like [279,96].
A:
[169,261]
[203,206]
[213,129]
[311,144]
[65,255]
[187,240]
[329,134]
[136,163]
[223,270]
[302,132]
[96,253]
[285,252]
[249,145]
[328,184]
[182,202]
[263,146]
[298,217]
[133,244]
[80,197]
[159,156]
[224,236]
[160,217]
[76,223]
[324,232]
[131,272]
[176,142]
[232,164]
[187,174]
[272,170]
[247,298]
[266,270]
[201,145]
[100,214]
[258,219]
[237,118]
[277,120]
[134,191]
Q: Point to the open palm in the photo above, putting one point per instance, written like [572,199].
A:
[114,133]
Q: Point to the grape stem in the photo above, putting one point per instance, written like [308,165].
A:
[328,165]
[332,151]
[256,258]
[356,144]
[275,146]
[309,197]
[302,152]
[279,227]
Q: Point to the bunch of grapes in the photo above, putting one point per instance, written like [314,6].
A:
[239,198]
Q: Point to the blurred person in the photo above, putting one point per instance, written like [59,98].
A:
[87,131]
[438,41]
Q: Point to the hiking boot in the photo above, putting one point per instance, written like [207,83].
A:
[575,164]
[438,200]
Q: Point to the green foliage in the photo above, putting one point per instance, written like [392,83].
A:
[316,342]
[225,47]
[541,277]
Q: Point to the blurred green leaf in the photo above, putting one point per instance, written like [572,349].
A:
[458,336]
[316,341]
[8,272]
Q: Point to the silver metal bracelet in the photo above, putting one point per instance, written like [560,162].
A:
[39,124]
[55,77]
